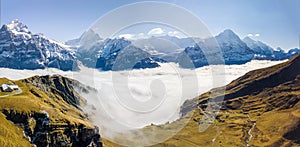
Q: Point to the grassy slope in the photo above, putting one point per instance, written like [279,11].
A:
[269,96]
[11,135]
[27,102]
[34,100]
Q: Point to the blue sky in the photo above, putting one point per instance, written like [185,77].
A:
[276,21]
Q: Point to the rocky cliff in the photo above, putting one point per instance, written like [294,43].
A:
[49,113]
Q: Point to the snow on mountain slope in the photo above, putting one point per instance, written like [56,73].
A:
[87,47]
[87,39]
[20,49]
[166,47]
[292,52]
[233,50]
[120,54]
[258,47]
[91,50]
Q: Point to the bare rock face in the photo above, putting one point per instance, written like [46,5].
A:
[42,133]
[45,134]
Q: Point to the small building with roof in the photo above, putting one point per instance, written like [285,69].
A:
[9,88]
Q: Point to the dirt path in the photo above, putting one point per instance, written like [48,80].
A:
[217,135]
[249,132]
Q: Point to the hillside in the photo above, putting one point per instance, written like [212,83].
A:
[260,108]
[47,111]
[265,100]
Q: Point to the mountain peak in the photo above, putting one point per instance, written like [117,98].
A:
[228,34]
[90,34]
[17,26]
[88,38]
[228,31]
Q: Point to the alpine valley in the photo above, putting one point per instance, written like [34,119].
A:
[257,104]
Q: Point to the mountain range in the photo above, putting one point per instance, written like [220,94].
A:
[20,49]
[172,49]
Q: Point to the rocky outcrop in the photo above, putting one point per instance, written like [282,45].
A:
[62,87]
[40,132]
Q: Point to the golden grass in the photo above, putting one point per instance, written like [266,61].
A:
[11,135]
[27,102]
[59,111]
[268,131]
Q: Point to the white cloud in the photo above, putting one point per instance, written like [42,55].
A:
[253,35]
[132,36]
[156,31]
[250,35]
[140,35]
[176,34]
[127,36]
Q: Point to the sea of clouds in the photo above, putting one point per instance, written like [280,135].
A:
[137,98]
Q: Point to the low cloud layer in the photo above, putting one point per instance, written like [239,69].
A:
[149,96]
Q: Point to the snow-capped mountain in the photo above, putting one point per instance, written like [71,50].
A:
[120,54]
[87,47]
[265,52]
[233,49]
[165,47]
[20,49]
[88,38]
[292,52]
[96,52]
[259,48]
[192,57]
[159,42]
